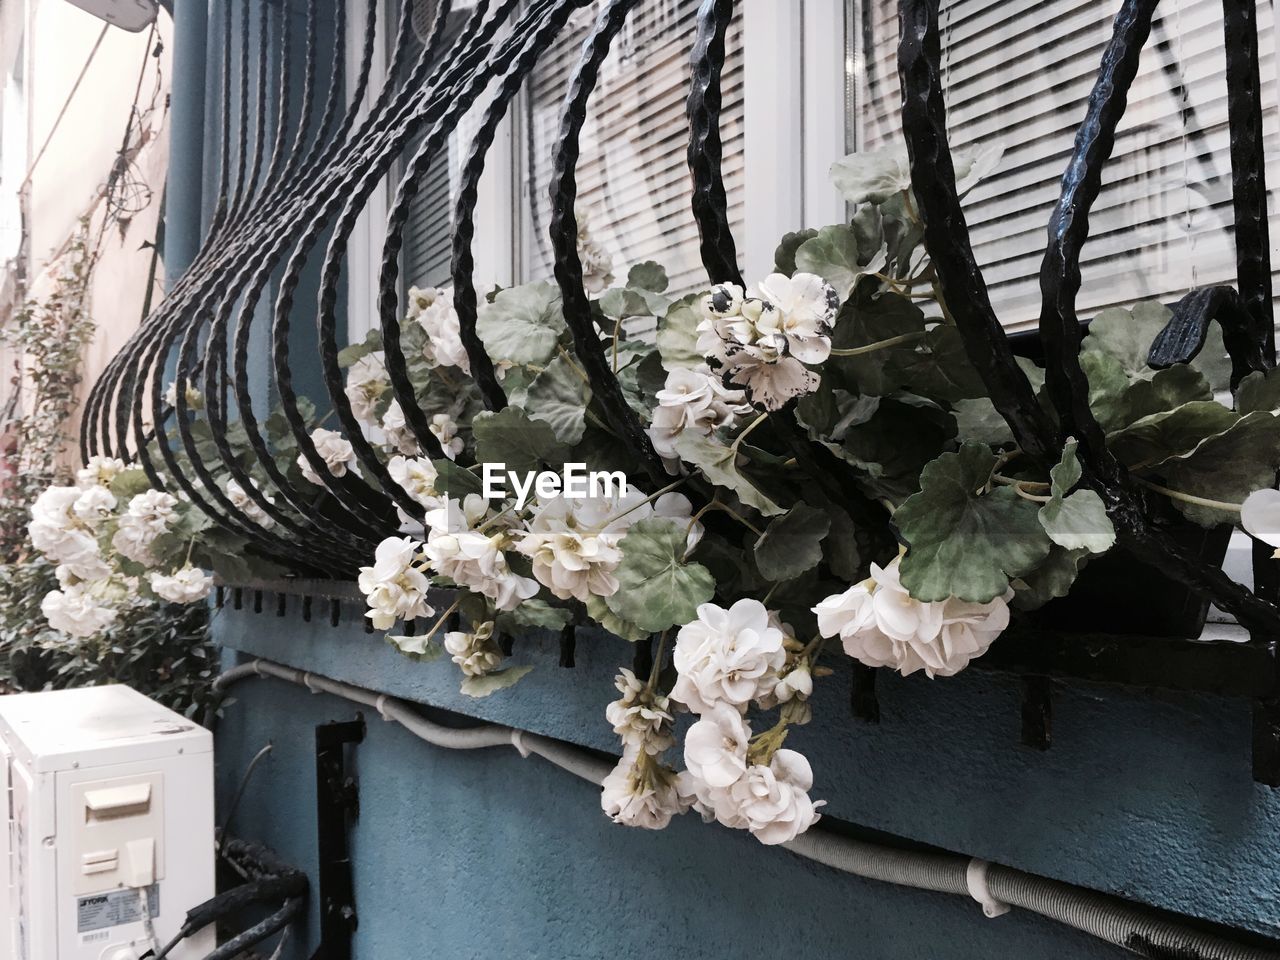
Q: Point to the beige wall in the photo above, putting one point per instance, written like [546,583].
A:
[67,183]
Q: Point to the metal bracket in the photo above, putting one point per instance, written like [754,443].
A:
[337,805]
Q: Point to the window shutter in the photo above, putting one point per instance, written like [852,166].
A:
[633,179]
[1018,73]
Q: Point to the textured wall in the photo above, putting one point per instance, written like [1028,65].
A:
[487,855]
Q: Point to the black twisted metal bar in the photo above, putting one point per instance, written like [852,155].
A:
[1248,169]
[564,233]
[710,204]
[1184,336]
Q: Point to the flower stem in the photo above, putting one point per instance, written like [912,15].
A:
[443,617]
[737,441]
[1191,498]
[878,345]
[657,662]
[569,361]
[649,499]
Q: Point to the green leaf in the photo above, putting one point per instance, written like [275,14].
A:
[533,615]
[1160,436]
[1127,335]
[784,257]
[979,420]
[1053,578]
[599,611]
[943,370]
[455,480]
[840,548]
[1075,521]
[1259,391]
[1107,386]
[648,275]
[656,588]
[717,464]
[792,543]
[678,335]
[1166,390]
[127,484]
[964,542]
[866,318]
[893,445]
[522,324]
[510,437]
[872,177]
[834,256]
[1227,466]
[478,687]
[372,343]
[418,647]
[559,397]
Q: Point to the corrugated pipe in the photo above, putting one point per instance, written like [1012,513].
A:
[997,888]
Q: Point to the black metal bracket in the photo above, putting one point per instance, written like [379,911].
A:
[337,805]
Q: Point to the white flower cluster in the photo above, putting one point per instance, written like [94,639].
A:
[186,586]
[476,653]
[597,263]
[467,544]
[194,398]
[692,399]
[396,586]
[725,660]
[641,791]
[70,525]
[575,544]
[336,452]
[432,309]
[882,625]
[149,515]
[762,341]
[242,501]
[367,381]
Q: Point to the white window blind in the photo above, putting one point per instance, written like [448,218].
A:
[633,178]
[1018,73]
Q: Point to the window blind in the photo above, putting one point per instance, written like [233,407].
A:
[633,179]
[1018,73]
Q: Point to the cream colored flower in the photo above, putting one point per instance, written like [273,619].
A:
[76,611]
[432,308]
[367,381]
[99,471]
[476,653]
[334,449]
[188,585]
[194,398]
[715,748]
[728,656]
[641,792]
[774,800]
[399,437]
[242,501]
[642,717]
[417,476]
[395,586]
[446,431]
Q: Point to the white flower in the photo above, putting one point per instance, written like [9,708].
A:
[367,381]
[417,476]
[761,342]
[53,508]
[575,545]
[395,587]
[640,792]
[1260,516]
[397,431]
[334,449]
[75,611]
[476,653]
[804,310]
[882,625]
[242,501]
[194,398]
[446,431]
[642,717]
[692,400]
[715,748]
[188,585]
[727,656]
[94,505]
[597,264]
[432,308]
[149,515]
[99,471]
[774,800]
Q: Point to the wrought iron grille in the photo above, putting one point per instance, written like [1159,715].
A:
[296,201]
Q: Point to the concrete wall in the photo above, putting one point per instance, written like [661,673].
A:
[485,855]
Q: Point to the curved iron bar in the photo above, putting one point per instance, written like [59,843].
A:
[1184,336]
[564,233]
[710,203]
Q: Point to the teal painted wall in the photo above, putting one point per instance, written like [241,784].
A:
[487,855]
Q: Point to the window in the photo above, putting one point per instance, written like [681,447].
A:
[1018,73]
[633,178]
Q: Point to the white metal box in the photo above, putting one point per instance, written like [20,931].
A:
[108,794]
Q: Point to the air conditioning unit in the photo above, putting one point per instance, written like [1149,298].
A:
[110,825]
